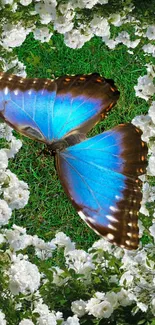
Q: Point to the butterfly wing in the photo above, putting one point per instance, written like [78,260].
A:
[100,176]
[27,105]
[84,99]
[47,110]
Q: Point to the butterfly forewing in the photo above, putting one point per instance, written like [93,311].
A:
[87,98]
[47,110]
[27,105]
[100,176]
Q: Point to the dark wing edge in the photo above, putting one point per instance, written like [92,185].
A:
[92,86]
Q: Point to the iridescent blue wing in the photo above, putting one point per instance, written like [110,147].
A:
[100,176]
[47,110]
[25,104]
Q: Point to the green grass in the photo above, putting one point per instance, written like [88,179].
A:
[49,210]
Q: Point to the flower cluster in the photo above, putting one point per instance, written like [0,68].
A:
[145,87]
[69,19]
[14,193]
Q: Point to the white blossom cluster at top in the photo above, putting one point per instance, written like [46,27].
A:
[62,17]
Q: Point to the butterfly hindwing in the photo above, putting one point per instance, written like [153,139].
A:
[47,110]
[100,176]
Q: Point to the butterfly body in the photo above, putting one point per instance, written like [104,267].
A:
[99,174]
[60,145]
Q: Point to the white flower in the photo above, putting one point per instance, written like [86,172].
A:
[152,230]
[41,308]
[99,295]
[5,131]
[149,48]
[112,298]
[99,308]
[63,22]
[141,228]
[63,26]
[3,180]
[76,38]
[26,321]
[42,34]
[16,194]
[46,317]
[25,2]
[153,306]
[17,238]
[24,277]
[58,276]
[148,196]
[124,298]
[2,239]
[85,3]
[109,42]
[80,261]
[13,35]
[150,33]
[102,244]
[144,122]
[151,111]
[124,38]
[139,30]
[143,307]
[145,87]
[3,160]
[144,210]
[140,257]
[5,213]
[78,307]
[2,318]
[128,260]
[63,241]
[15,146]
[150,70]
[151,166]
[71,321]
[126,279]
[100,26]
[46,11]
[18,68]
[43,250]
[116,20]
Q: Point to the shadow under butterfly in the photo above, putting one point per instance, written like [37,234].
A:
[99,174]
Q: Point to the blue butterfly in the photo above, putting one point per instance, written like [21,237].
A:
[99,174]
